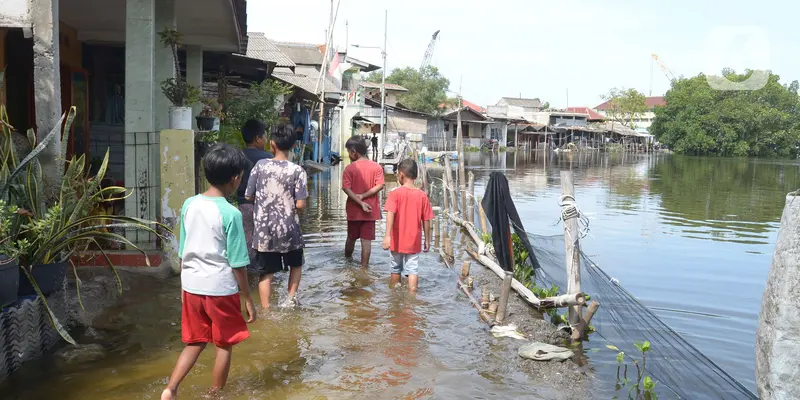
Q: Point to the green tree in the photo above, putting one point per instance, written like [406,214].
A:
[699,120]
[624,105]
[546,105]
[426,87]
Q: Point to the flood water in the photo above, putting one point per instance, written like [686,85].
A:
[690,237]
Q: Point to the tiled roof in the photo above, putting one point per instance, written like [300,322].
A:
[586,110]
[519,102]
[301,53]
[262,48]
[650,102]
[389,86]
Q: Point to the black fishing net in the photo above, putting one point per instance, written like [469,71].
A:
[679,369]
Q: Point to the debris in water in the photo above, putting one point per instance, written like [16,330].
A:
[544,352]
[507,331]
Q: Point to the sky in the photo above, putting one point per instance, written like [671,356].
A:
[567,52]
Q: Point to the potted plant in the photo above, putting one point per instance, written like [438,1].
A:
[212,110]
[43,235]
[180,93]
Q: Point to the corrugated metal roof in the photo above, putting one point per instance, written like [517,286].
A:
[301,53]
[262,48]
[389,86]
[520,102]
[305,82]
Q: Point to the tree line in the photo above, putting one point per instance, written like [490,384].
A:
[700,120]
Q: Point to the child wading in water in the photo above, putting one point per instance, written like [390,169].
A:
[408,213]
[362,181]
[213,253]
[278,188]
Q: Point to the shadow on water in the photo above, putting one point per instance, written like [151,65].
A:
[691,237]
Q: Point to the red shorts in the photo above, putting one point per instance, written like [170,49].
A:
[212,319]
[364,230]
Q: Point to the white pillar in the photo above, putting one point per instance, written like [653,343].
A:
[163,61]
[47,88]
[194,74]
[141,170]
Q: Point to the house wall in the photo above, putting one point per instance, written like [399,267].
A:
[15,14]
[398,121]
[71,51]
[645,120]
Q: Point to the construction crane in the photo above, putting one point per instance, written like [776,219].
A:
[426,60]
[667,72]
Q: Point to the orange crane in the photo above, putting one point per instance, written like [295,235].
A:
[667,72]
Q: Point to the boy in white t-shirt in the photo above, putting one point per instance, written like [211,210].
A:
[213,254]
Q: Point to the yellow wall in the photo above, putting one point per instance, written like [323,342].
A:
[71,51]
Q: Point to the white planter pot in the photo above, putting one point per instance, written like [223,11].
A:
[180,118]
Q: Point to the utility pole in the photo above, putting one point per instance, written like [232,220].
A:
[383,81]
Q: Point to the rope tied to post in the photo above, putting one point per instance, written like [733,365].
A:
[570,210]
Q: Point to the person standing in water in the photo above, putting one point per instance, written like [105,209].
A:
[375,147]
[278,188]
[213,254]
[408,214]
[362,181]
[254,134]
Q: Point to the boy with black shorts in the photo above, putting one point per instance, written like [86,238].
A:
[213,253]
[278,189]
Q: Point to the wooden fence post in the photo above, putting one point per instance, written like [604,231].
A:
[572,249]
[470,199]
[505,290]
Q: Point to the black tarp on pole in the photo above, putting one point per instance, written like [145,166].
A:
[500,209]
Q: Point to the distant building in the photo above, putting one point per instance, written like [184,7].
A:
[643,121]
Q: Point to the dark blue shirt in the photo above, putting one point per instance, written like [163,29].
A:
[253,156]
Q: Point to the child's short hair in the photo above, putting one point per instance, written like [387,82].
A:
[223,163]
[408,167]
[284,136]
[252,130]
[356,144]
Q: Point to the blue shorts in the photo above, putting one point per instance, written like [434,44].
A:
[406,264]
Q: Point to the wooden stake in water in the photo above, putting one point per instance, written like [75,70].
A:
[505,290]
[571,247]
[484,228]
[465,269]
[438,232]
[470,198]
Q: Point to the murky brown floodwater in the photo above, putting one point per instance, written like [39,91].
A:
[353,337]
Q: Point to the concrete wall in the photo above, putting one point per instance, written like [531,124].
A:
[15,14]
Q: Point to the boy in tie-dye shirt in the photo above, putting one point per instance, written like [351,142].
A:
[278,189]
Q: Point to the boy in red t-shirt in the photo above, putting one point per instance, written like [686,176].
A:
[362,181]
[408,213]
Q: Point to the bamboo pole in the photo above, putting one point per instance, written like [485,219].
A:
[470,199]
[549,302]
[572,248]
[438,232]
[482,214]
[445,199]
[483,314]
[465,269]
[505,290]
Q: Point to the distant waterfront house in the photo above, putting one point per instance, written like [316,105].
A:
[475,129]
[644,120]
